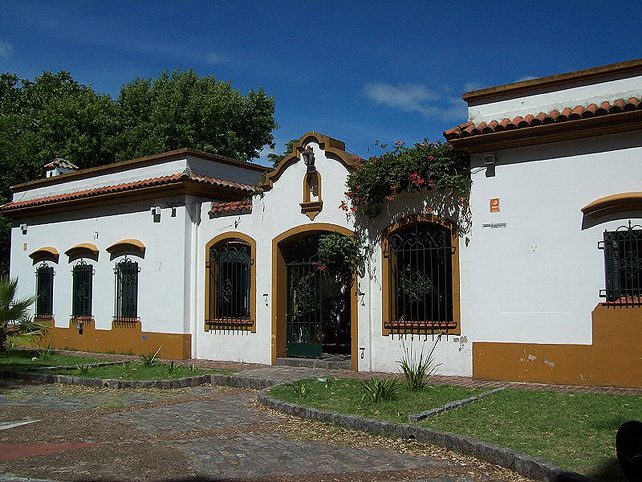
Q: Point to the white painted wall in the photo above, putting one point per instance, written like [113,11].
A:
[559,99]
[537,280]
[161,278]
[274,214]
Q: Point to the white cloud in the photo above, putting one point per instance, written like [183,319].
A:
[213,58]
[6,49]
[416,98]
[468,86]
[526,77]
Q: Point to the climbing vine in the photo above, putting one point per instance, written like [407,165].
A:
[426,165]
[341,256]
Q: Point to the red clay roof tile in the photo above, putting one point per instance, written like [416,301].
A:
[568,114]
[230,208]
[178,178]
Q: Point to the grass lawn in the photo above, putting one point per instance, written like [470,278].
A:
[30,359]
[136,371]
[345,395]
[576,431]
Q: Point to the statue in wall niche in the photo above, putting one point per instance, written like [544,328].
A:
[308,158]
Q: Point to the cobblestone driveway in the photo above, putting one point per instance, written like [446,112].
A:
[204,433]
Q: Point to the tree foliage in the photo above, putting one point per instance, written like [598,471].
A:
[287,150]
[184,110]
[53,115]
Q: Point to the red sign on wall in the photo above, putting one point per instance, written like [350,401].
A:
[494,205]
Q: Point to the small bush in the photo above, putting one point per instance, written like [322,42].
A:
[418,370]
[150,360]
[378,390]
[84,369]
[300,389]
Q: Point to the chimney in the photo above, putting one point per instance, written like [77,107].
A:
[59,166]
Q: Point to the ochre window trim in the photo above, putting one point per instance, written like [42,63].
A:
[388,326]
[127,246]
[614,203]
[309,207]
[231,324]
[46,253]
[83,250]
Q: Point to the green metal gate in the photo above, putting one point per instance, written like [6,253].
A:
[304,309]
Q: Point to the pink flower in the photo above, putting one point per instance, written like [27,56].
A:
[416,179]
[322,267]
[399,143]
[353,209]
[343,206]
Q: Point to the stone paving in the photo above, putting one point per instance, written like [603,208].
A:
[289,373]
[200,433]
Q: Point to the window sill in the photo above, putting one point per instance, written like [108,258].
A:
[421,327]
[125,322]
[82,319]
[624,301]
[230,324]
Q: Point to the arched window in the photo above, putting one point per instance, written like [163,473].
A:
[126,302]
[44,291]
[230,298]
[82,275]
[419,287]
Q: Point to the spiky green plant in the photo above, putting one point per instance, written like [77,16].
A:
[380,389]
[417,370]
[15,323]
[150,360]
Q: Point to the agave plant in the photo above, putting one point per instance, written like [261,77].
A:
[16,326]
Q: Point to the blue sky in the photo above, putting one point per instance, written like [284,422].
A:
[358,71]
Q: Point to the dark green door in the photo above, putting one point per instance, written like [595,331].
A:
[304,309]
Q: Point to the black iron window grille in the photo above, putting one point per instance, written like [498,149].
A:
[229,269]
[420,297]
[623,265]
[82,275]
[44,290]
[126,302]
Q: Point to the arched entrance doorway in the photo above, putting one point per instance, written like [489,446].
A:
[311,315]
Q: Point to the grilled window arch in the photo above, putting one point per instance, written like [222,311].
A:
[623,265]
[44,290]
[126,290]
[82,278]
[421,282]
[230,284]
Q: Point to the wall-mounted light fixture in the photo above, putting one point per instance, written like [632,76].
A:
[23,228]
[490,161]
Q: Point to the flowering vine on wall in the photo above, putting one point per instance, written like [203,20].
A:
[426,165]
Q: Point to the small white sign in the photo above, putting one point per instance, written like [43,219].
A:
[494,225]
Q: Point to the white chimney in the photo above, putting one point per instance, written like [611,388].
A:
[59,166]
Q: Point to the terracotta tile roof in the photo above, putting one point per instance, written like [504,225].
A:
[470,129]
[231,208]
[179,178]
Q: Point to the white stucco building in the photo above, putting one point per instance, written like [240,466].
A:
[178,250]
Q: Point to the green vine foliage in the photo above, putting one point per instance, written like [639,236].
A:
[341,256]
[426,165]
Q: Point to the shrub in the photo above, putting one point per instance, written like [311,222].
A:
[150,360]
[417,370]
[378,390]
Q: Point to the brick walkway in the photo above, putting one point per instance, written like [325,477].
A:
[202,433]
[282,373]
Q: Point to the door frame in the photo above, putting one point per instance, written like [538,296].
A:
[279,291]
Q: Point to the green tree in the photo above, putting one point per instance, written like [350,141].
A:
[289,147]
[184,110]
[51,116]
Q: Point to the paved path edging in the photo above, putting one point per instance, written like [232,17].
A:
[109,383]
[415,417]
[531,467]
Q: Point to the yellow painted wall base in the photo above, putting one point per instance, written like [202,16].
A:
[613,359]
[122,338]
